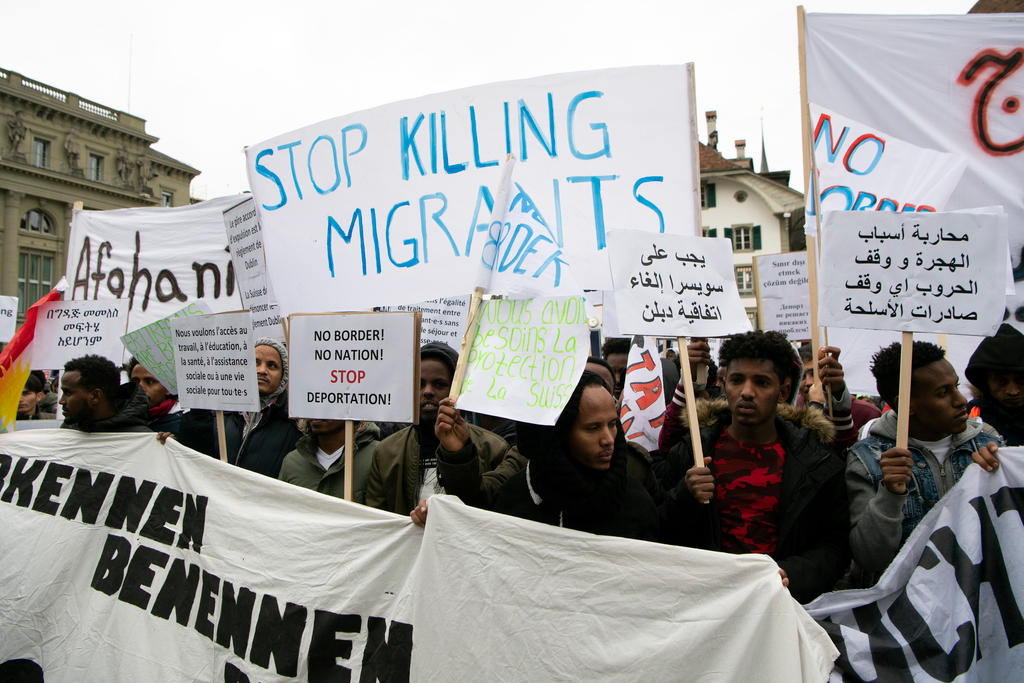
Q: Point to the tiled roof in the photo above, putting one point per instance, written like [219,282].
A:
[711,160]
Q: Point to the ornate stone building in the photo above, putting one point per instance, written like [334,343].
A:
[57,148]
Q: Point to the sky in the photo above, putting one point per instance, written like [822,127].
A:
[212,77]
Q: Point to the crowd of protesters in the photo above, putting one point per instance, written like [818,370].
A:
[791,467]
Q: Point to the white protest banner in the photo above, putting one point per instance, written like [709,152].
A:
[895,73]
[354,366]
[526,357]
[8,317]
[443,320]
[160,563]
[675,285]
[642,411]
[153,345]
[861,168]
[156,259]
[948,607]
[245,241]
[783,298]
[69,329]
[930,272]
[216,361]
[392,205]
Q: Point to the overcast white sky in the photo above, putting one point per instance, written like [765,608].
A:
[212,77]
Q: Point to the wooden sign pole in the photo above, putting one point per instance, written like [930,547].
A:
[222,444]
[691,403]
[903,402]
[467,343]
[702,370]
[350,457]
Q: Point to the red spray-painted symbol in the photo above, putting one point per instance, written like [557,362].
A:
[999,67]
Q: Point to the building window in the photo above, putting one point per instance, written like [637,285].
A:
[167,199]
[37,221]
[35,278]
[96,167]
[707,195]
[752,317]
[41,153]
[745,237]
[745,279]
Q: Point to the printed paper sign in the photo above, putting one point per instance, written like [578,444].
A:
[393,205]
[443,320]
[8,317]
[69,329]
[675,285]
[932,272]
[216,362]
[156,259]
[153,345]
[245,240]
[526,358]
[864,169]
[643,395]
[354,366]
[783,297]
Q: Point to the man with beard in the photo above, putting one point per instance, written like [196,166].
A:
[405,466]
[94,400]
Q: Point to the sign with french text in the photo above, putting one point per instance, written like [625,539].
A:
[675,285]
[69,329]
[526,357]
[153,345]
[354,366]
[216,362]
[393,205]
[8,317]
[245,240]
[930,272]
[783,298]
[443,320]
[156,259]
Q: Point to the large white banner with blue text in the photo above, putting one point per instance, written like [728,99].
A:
[393,205]
[127,560]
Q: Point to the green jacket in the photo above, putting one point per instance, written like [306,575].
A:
[394,480]
[300,466]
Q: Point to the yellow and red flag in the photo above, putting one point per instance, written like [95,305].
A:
[15,363]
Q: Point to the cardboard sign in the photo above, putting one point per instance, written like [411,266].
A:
[442,320]
[392,205]
[675,285]
[153,345]
[783,299]
[69,329]
[216,362]
[526,358]
[643,395]
[156,259]
[861,168]
[245,240]
[354,366]
[8,317]
[931,272]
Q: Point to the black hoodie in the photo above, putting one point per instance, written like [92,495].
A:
[1004,353]
[131,413]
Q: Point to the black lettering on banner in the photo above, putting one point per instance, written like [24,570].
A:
[386,659]
[232,674]
[207,603]
[178,592]
[21,481]
[129,504]
[325,647]
[51,487]
[193,523]
[140,575]
[235,617]
[87,495]
[137,275]
[5,467]
[110,569]
[166,508]
[200,270]
[278,635]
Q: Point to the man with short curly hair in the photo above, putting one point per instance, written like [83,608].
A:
[768,483]
[94,400]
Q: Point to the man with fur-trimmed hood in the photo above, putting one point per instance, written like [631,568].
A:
[769,483]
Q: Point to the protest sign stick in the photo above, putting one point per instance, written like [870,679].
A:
[350,457]
[903,402]
[691,84]
[467,343]
[691,403]
[222,444]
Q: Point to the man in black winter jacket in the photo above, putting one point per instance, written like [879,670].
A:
[768,483]
[996,369]
[94,400]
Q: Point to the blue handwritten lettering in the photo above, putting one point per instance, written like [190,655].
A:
[267,173]
[408,142]
[334,158]
[476,140]
[595,188]
[291,161]
[647,202]
[606,150]
[409,241]
[526,119]
[345,154]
